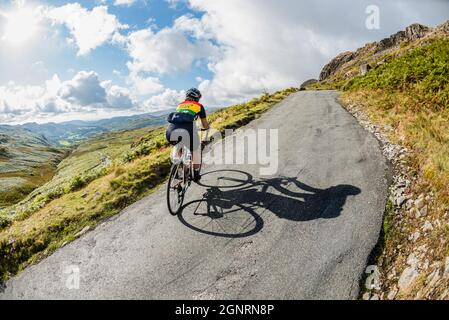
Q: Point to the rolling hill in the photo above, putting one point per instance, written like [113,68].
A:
[27,160]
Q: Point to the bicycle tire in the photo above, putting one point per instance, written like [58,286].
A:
[177,210]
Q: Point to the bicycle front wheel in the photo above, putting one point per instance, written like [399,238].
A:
[175,190]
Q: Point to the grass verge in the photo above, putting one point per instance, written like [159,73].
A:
[409,98]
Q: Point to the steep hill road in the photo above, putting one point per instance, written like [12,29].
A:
[305,233]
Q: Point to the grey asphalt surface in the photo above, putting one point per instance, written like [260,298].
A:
[304,233]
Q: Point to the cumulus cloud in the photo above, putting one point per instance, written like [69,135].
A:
[249,46]
[124,2]
[269,45]
[166,51]
[119,98]
[21,102]
[84,89]
[198,28]
[166,100]
[264,46]
[83,93]
[144,86]
[89,29]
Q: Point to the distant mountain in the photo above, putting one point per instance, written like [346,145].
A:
[70,132]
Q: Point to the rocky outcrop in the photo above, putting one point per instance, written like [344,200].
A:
[336,64]
[350,64]
[411,33]
[444,28]
[307,83]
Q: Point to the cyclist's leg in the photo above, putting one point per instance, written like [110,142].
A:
[195,148]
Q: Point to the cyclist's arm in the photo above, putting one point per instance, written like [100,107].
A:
[203,117]
[205,124]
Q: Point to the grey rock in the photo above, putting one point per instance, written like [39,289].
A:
[335,64]
[307,83]
[85,229]
[412,260]
[419,203]
[446,268]
[415,236]
[407,279]
[413,32]
[364,68]
[415,212]
[375,297]
[400,201]
[433,278]
[427,227]
[392,294]
[409,204]
[423,212]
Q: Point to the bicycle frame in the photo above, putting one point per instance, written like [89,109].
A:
[182,158]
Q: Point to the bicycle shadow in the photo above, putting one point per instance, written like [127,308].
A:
[230,204]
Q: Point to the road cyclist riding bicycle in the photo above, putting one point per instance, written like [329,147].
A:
[187,153]
[182,129]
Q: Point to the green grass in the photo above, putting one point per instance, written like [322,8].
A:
[424,71]
[137,168]
[25,166]
[410,94]
[88,161]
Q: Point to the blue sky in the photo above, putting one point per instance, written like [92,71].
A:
[90,59]
[61,59]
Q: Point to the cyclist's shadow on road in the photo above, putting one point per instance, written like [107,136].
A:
[233,201]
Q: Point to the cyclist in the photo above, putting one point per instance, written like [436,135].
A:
[182,128]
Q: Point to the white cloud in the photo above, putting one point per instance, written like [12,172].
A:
[144,86]
[166,51]
[89,29]
[166,100]
[264,46]
[22,102]
[195,27]
[124,2]
[119,98]
[174,3]
[39,67]
[84,89]
[84,93]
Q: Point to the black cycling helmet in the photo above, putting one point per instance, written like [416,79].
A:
[194,94]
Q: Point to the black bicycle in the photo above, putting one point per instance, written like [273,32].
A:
[181,175]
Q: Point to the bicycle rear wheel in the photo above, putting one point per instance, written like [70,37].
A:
[175,190]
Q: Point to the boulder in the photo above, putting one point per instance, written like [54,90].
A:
[412,32]
[408,279]
[307,83]
[364,68]
[335,64]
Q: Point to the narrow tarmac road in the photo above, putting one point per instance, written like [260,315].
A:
[303,233]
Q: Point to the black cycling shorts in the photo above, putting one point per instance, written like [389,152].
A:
[184,133]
